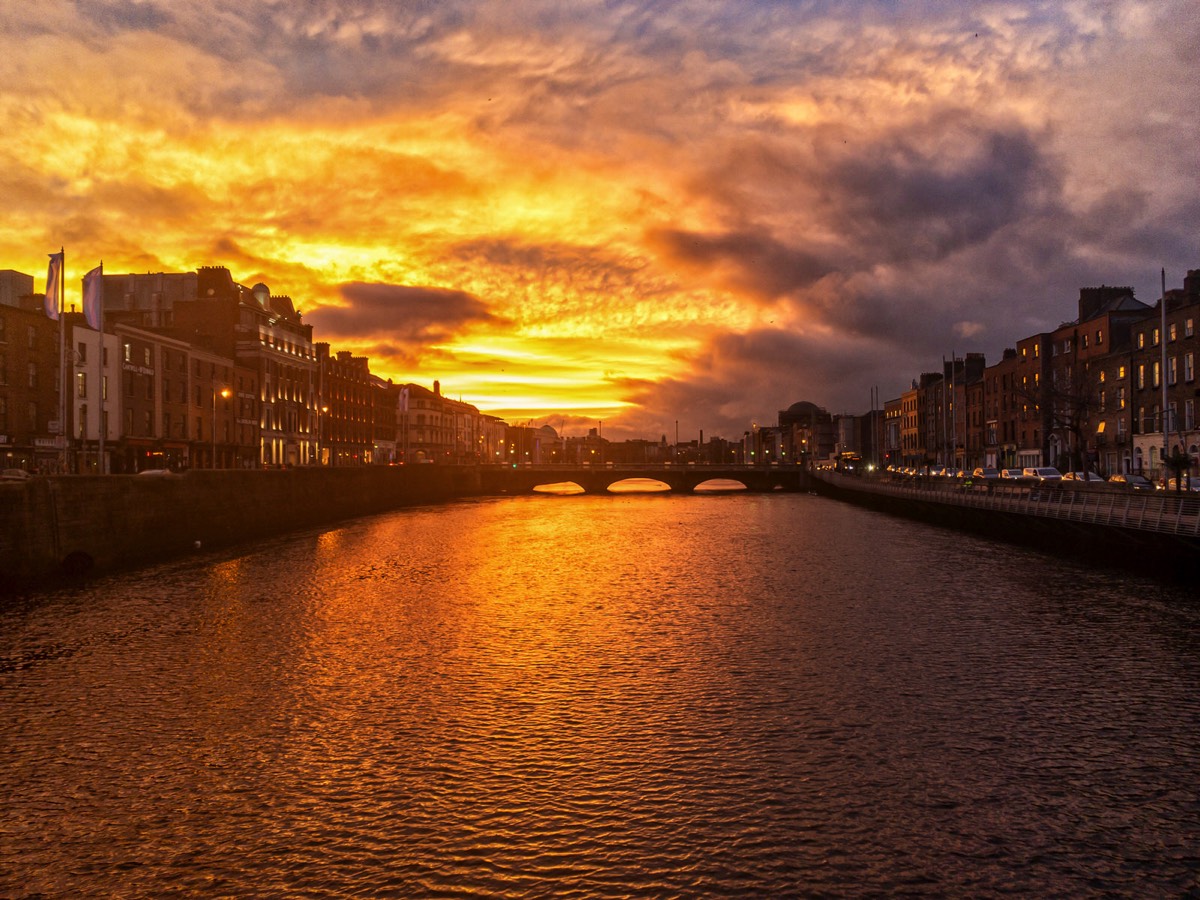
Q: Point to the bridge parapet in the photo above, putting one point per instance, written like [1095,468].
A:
[680,479]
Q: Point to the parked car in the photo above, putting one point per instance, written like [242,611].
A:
[1011,474]
[1134,482]
[1089,477]
[1189,484]
[1041,473]
[14,475]
[986,472]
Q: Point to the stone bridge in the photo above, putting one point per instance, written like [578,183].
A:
[680,479]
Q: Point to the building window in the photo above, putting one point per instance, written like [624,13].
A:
[31,337]
[1189,369]
[1121,372]
[1189,414]
[149,423]
[127,349]
[1103,376]
[1172,422]
[1139,426]
[1099,337]
[1120,398]
[31,412]
[1171,332]
[1085,342]
[1188,329]
[146,355]
[82,352]
[81,385]
[1154,337]
[1141,376]
[1171,371]
[1141,340]
[32,375]
[149,388]
[1102,399]
[1157,373]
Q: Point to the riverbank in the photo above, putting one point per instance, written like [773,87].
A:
[75,524]
[1154,533]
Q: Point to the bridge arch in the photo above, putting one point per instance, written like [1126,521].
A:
[638,485]
[720,485]
[560,488]
[680,479]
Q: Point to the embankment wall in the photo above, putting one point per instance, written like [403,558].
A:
[77,523]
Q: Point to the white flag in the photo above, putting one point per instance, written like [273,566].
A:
[54,276]
[93,296]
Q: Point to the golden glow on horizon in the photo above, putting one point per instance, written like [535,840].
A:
[597,228]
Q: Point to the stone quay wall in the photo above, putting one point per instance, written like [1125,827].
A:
[74,524]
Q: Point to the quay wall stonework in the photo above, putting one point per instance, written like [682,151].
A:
[72,524]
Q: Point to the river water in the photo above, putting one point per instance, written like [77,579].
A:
[631,696]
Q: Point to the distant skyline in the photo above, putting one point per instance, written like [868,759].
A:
[639,213]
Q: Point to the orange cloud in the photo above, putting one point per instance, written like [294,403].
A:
[613,210]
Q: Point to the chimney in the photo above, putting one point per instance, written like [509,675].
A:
[437,388]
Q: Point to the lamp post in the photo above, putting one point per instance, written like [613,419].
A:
[321,422]
[224,392]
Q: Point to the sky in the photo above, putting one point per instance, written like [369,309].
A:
[637,216]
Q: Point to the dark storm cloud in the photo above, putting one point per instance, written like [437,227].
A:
[115,16]
[405,314]
[753,261]
[909,202]
[776,368]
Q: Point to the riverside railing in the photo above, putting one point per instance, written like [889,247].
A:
[1165,512]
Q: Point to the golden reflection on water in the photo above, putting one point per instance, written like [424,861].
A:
[603,696]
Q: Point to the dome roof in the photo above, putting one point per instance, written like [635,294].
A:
[804,408]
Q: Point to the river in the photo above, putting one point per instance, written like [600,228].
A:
[631,696]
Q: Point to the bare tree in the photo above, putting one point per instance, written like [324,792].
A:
[1067,403]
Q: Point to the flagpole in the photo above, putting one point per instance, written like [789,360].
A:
[62,360]
[100,386]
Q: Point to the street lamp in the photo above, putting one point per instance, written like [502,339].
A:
[321,435]
[224,392]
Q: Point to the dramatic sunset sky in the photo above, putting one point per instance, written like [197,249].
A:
[635,212]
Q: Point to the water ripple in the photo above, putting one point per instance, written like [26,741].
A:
[604,697]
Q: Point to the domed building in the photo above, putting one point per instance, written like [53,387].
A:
[807,433]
